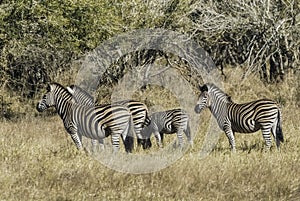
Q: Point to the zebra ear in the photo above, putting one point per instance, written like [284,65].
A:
[229,98]
[48,87]
[70,89]
[203,88]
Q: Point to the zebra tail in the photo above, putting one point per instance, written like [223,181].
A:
[129,139]
[188,133]
[147,120]
[279,134]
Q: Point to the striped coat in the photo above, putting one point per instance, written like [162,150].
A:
[263,114]
[168,122]
[92,122]
[138,110]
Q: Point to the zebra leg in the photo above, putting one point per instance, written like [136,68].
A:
[101,143]
[267,137]
[161,138]
[145,143]
[230,136]
[158,139]
[84,148]
[128,143]
[139,139]
[273,131]
[115,142]
[77,140]
[187,132]
[128,136]
[75,135]
[180,138]
[94,143]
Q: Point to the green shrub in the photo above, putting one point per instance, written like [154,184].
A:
[39,40]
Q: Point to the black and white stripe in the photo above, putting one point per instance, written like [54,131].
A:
[138,110]
[168,122]
[249,117]
[94,122]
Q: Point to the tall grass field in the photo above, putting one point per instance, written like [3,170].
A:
[38,160]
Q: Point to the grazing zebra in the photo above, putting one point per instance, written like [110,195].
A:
[138,110]
[94,122]
[249,117]
[168,122]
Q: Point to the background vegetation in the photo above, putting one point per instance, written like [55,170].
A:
[40,40]
[255,45]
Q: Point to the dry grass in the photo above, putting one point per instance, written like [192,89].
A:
[39,162]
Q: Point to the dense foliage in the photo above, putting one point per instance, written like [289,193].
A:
[39,39]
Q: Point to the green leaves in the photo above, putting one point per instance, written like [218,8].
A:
[43,37]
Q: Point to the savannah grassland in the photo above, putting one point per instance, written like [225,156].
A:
[39,40]
[40,162]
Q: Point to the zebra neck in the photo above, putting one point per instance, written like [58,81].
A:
[63,106]
[219,109]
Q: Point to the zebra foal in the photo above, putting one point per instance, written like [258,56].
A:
[263,114]
[138,110]
[94,122]
[168,122]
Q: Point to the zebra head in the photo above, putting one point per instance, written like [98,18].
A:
[204,99]
[47,100]
[55,94]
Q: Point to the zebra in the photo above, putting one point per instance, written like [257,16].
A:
[168,122]
[138,110]
[263,114]
[94,122]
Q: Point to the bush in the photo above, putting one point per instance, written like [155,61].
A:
[260,35]
[39,40]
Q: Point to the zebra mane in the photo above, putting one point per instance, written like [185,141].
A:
[213,88]
[75,88]
[61,87]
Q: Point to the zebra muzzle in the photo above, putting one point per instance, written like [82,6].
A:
[39,108]
[197,109]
